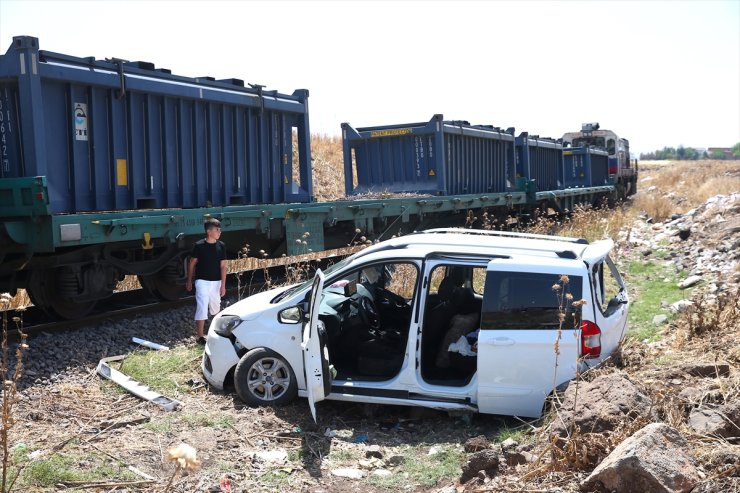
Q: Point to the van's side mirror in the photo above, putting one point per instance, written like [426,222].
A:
[291,315]
[622,297]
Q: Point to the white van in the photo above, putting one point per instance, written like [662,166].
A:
[453,319]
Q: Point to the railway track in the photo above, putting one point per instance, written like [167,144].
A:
[130,303]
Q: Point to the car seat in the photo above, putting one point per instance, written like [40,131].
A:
[380,357]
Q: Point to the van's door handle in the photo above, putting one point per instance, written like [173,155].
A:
[503,341]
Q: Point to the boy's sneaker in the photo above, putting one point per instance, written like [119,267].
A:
[201,340]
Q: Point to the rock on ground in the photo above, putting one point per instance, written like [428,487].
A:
[485,460]
[655,459]
[601,404]
[723,421]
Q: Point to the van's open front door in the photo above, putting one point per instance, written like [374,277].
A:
[523,351]
[315,350]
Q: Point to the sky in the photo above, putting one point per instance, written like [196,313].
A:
[659,73]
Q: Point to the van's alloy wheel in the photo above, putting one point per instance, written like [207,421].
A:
[263,377]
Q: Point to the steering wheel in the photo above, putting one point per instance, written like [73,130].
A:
[369,313]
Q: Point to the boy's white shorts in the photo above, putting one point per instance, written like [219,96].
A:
[207,298]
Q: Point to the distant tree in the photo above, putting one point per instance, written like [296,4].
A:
[717,154]
[736,151]
[681,152]
[691,154]
[666,153]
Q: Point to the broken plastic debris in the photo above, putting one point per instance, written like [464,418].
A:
[360,438]
[329,433]
[434,450]
[351,473]
[133,386]
[279,456]
[150,344]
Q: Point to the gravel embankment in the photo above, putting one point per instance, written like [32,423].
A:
[54,357]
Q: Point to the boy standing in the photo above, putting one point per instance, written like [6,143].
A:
[208,263]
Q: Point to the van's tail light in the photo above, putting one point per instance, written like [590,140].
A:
[590,340]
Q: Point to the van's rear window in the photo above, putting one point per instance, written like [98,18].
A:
[526,301]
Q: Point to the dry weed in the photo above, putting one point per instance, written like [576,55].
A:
[657,206]
[10,374]
[586,221]
[720,314]
[327,163]
[683,185]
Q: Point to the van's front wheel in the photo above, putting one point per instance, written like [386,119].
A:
[263,377]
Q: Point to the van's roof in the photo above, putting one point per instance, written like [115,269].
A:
[484,242]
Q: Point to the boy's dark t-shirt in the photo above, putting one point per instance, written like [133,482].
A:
[209,257]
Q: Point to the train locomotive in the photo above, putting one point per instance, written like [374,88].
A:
[622,170]
[109,167]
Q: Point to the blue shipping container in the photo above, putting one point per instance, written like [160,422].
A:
[436,157]
[585,167]
[115,135]
[540,160]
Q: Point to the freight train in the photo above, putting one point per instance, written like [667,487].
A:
[109,167]
[621,167]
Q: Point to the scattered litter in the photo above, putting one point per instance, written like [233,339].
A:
[689,281]
[297,429]
[373,451]
[435,450]
[372,463]
[133,386]
[150,344]
[381,473]
[360,438]
[681,305]
[35,453]
[195,383]
[279,456]
[329,433]
[141,473]
[351,473]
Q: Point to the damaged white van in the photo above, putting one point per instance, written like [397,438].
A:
[453,319]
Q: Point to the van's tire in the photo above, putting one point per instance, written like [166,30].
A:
[263,378]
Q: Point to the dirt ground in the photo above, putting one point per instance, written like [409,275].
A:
[91,421]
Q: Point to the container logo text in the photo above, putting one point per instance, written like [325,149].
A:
[80,121]
[389,133]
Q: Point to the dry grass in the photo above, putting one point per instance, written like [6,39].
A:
[591,223]
[328,167]
[668,187]
[708,316]
[655,205]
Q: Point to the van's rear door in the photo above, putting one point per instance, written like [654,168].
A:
[611,304]
[525,347]
[315,350]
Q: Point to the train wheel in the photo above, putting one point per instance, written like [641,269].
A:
[45,292]
[167,284]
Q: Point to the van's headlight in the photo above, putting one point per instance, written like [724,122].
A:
[226,324]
